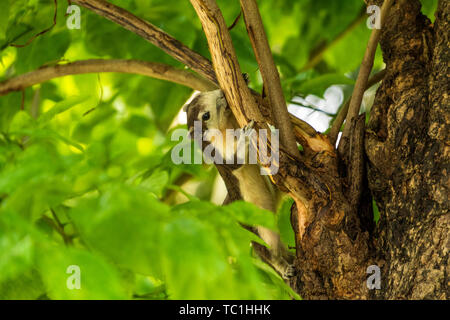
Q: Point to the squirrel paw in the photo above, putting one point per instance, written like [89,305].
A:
[285,269]
[289,272]
[247,130]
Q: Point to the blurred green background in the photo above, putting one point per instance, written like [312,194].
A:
[86,177]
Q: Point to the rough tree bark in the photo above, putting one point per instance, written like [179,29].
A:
[407,144]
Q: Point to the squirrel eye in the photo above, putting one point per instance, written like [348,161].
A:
[206,116]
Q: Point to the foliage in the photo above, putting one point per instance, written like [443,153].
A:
[84,160]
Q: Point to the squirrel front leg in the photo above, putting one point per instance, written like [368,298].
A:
[255,189]
[277,256]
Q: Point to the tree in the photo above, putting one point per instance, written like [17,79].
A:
[88,180]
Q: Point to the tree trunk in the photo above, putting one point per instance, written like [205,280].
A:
[407,144]
[407,152]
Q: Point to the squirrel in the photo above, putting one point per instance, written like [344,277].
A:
[243,181]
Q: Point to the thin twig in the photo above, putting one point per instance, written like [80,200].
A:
[337,124]
[363,76]
[42,32]
[20,35]
[55,216]
[235,21]
[56,224]
[312,108]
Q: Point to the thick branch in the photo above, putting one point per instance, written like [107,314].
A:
[149,69]
[153,34]
[225,62]
[407,148]
[364,72]
[269,74]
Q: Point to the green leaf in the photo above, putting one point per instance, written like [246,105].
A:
[47,48]
[61,107]
[4,18]
[156,183]
[189,240]
[250,214]
[22,120]
[9,106]
[123,224]
[60,266]
[16,251]
[47,134]
[26,286]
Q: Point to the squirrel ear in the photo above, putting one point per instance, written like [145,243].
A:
[191,99]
